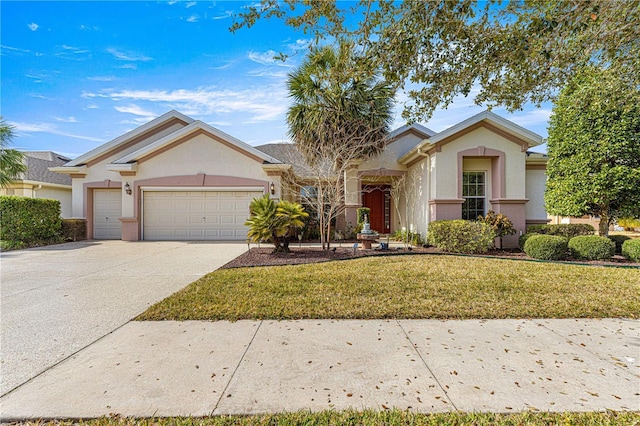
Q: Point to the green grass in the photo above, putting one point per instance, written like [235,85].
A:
[368,417]
[417,286]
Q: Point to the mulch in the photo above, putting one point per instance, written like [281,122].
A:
[264,256]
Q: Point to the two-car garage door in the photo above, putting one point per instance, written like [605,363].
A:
[196,215]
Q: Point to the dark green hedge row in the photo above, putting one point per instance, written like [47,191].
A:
[563,230]
[631,249]
[29,220]
[546,247]
[74,229]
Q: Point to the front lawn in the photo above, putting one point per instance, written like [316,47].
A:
[417,286]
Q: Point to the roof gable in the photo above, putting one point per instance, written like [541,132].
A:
[180,136]
[131,138]
[415,128]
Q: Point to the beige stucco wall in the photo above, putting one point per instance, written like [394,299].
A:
[198,155]
[389,158]
[43,190]
[417,203]
[536,182]
[446,184]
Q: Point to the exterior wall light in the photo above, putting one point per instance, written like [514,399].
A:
[127,188]
[272,187]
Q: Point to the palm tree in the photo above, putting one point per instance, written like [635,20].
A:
[341,112]
[275,222]
[338,98]
[11,160]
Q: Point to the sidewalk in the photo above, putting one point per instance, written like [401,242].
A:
[203,368]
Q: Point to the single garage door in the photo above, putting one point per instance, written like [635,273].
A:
[196,215]
[107,209]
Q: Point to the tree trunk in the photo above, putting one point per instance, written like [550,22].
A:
[603,228]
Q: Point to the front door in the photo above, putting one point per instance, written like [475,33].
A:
[378,201]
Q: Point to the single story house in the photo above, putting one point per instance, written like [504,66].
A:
[176,178]
[39,182]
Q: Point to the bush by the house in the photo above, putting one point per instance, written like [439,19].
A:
[500,223]
[631,249]
[29,220]
[461,236]
[546,247]
[412,238]
[362,211]
[74,229]
[523,239]
[629,223]
[619,240]
[592,247]
[568,230]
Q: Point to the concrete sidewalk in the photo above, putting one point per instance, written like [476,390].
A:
[202,368]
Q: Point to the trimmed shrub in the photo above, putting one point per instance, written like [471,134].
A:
[461,236]
[29,220]
[631,249]
[592,247]
[74,229]
[361,212]
[500,223]
[523,239]
[412,238]
[546,247]
[569,230]
[619,240]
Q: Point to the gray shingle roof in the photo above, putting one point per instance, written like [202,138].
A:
[38,163]
[285,152]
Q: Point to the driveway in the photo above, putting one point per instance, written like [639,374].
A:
[59,299]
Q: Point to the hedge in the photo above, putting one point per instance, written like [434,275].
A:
[619,240]
[592,247]
[74,229]
[29,220]
[546,247]
[569,230]
[461,236]
[523,239]
[631,249]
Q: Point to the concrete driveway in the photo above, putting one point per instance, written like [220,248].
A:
[59,299]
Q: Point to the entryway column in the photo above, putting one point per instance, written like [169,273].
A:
[351,196]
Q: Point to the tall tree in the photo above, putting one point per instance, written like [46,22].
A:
[594,148]
[341,112]
[515,52]
[11,160]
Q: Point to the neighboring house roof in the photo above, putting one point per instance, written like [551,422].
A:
[412,128]
[38,163]
[286,153]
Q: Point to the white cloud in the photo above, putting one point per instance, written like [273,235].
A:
[225,15]
[128,56]
[67,119]
[128,67]
[73,53]
[256,104]
[102,78]
[33,26]
[49,128]
[14,49]
[299,44]
[136,110]
[172,2]
[266,58]
[193,18]
[190,4]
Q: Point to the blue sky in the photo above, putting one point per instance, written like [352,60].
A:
[77,74]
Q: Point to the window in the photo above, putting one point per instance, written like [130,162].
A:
[473,192]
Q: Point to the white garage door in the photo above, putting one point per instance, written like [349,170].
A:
[107,209]
[196,215]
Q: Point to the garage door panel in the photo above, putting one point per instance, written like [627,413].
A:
[196,215]
[107,209]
